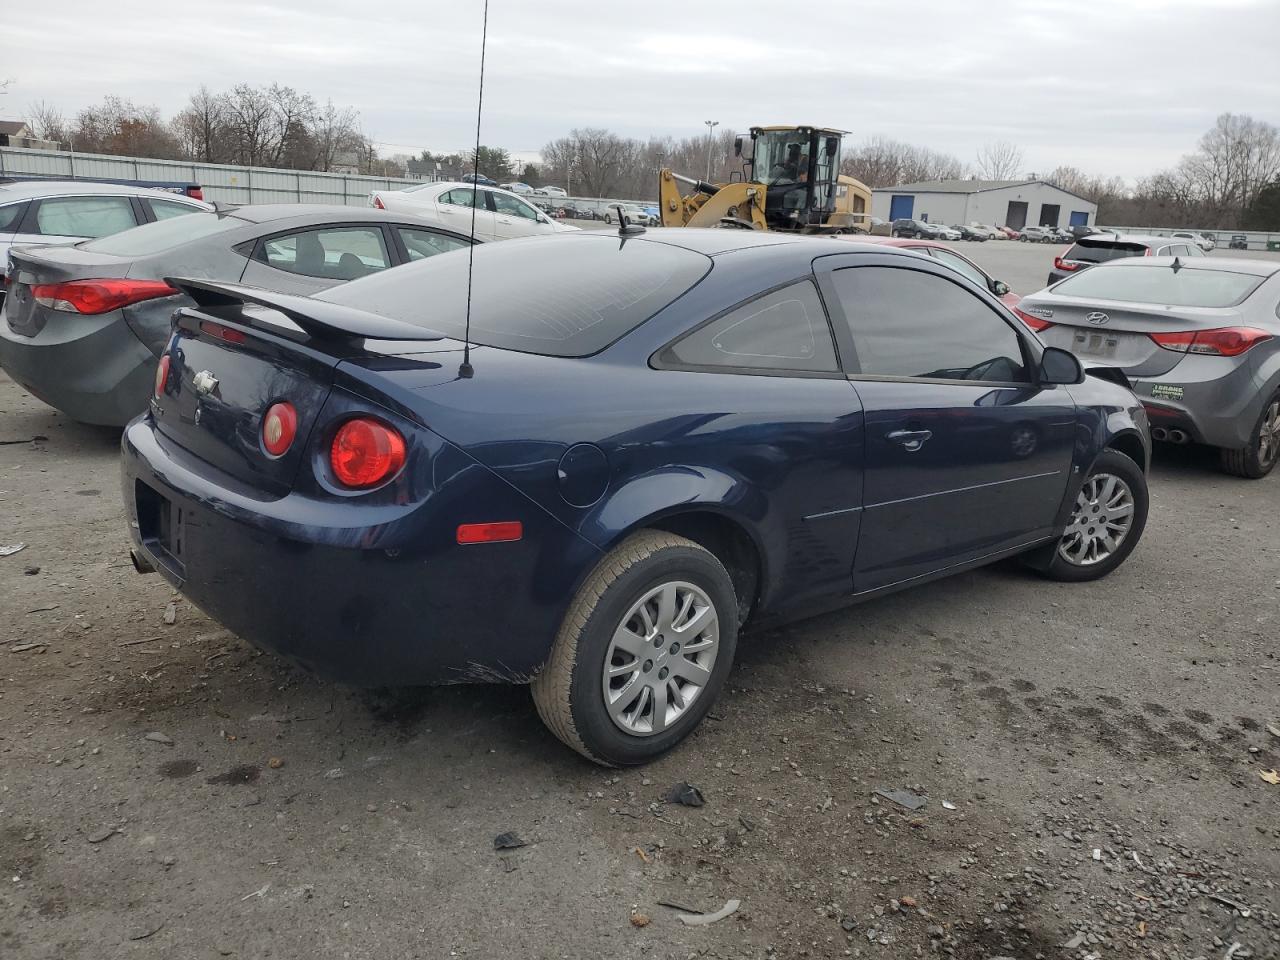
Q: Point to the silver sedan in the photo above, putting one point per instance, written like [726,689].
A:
[1198,339]
[85,323]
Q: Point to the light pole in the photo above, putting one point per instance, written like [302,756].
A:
[711,126]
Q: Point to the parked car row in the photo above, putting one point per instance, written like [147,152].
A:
[497,214]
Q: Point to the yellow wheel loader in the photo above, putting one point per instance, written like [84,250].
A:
[790,181]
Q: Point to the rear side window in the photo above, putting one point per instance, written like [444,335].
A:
[783,330]
[564,296]
[167,209]
[1095,251]
[910,324]
[334,253]
[84,216]
[421,244]
[1139,283]
[462,197]
[10,216]
[163,234]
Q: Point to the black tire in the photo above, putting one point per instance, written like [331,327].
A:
[897,233]
[1248,461]
[1050,562]
[567,691]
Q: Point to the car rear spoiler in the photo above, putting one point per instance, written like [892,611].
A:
[317,318]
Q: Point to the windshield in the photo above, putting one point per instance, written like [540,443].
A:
[782,156]
[163,234]
[568,295]
[1140,283]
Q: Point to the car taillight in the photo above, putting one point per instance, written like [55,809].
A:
[195,193]
[98,296]
[504,531]
[1222,342]
[1035,323]
[365,452]
[377,202]
[1066,266]
[279,427]
[162,375]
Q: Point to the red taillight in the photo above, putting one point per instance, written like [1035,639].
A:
[365,452]
[377,202]
[1066,266]
[1035,323]
[195,193]
[279,427]
[162,375]
[502,532]
[98,296]
[1222,342]
[226,334]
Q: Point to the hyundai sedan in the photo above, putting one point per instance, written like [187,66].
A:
[630,447]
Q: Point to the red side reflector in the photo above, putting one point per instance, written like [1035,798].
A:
[1035,323]
[162,375]
[501,532]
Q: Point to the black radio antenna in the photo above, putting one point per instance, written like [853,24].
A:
[465,370]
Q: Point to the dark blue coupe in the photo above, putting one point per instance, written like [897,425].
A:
[660,437]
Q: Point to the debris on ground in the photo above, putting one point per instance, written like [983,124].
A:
[904,798]
[275,763]
[155,736]
[706,919]
[639,919]
[259,893]
[948,805]
[642,855]
[508,841]
[334,774]
[171,613]
[105,834]
[1271,776]
[23,647]
[677,905]
[10,549]
[31,570]
[147,932]
[46,609]
[685,794]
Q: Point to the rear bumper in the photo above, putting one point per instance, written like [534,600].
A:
[1212,406]
[370,596]
[91,368]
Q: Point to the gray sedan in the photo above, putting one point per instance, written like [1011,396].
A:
[84,323]
[1199,340]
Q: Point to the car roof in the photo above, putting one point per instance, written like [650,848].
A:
[1255,268]
[1149,239]
[31,189]
[712,241]
[317,213]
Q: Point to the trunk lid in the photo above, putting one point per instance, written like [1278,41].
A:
[1116,334]
[49,264]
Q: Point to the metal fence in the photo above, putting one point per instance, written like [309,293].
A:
[1255,239]
[220,181]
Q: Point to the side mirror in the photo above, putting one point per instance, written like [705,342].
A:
[999,288]
[1059,366]
[832,145]
[737,146]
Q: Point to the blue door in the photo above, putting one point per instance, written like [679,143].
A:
[1079,218]
[965,455]
[902,206]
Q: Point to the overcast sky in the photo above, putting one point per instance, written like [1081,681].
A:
[1116,87]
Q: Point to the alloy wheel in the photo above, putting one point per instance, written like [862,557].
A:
[1269,435]
[1100,521]
[660,658]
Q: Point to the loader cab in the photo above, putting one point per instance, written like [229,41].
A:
[798,167]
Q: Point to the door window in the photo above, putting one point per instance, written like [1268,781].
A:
[335,253]
[84,216]
[421,244]
[11,215]
[164,209]
[910,324]
[785,330]
[462,197]
[513,207]
[960,264]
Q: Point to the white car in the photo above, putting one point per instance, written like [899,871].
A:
[499,214]
[36,212]
[550,192]
[517,187]
[945,232]
[991,233]
[1199,239]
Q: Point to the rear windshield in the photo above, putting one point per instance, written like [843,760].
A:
[1147,284]
[1100,251]
[163,234]
[563,296]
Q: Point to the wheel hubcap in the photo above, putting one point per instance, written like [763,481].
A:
[1269,434]
[660,658]
[1100,521]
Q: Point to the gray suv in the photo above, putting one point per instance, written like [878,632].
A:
[1198,340]
[1103,247]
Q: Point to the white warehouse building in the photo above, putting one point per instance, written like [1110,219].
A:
[1011,203]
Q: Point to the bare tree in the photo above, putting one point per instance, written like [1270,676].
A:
[250,124]
[334,132]
[881,162]
[47,122]
[122,127]
[999,160]
[202,127]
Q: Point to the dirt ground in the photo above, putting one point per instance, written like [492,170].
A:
[1091,757]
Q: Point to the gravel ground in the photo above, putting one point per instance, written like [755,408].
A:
[1091,758]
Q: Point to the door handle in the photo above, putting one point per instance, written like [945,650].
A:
[909,440]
